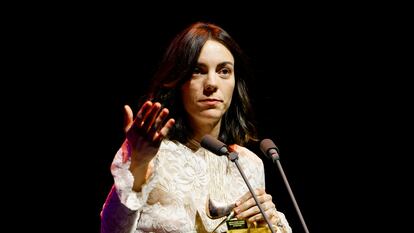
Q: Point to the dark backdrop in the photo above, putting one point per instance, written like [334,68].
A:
[319,93]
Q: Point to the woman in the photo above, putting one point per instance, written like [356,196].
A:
[163,179]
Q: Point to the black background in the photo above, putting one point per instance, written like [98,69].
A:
[326,91]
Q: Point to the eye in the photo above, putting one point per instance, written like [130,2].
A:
[225,72]
[199,71]
[196,70]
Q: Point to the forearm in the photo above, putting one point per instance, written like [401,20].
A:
[137,167]
[139,172]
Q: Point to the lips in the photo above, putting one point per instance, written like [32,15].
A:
[211,101]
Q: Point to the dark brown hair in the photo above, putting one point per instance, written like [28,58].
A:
[177,67]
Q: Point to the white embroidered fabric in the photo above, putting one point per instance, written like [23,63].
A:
[175,195]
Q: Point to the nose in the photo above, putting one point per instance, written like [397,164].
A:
[210,84]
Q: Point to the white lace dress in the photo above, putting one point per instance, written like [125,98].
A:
[174,197]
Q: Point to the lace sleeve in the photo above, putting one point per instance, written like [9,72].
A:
[116,217]
[283,225]
[121,208]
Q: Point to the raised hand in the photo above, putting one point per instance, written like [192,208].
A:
[145,133]
[143,137]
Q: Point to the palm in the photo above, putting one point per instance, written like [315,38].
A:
[145,133]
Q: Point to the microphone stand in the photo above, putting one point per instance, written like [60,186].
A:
[302,220]
[233,156]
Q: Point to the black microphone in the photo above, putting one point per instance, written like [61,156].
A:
[219,148]
[214,145]
[271,151]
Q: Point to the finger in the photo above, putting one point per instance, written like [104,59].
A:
[253,210]
[243,199]
[137,123]
[259,216]
[265,200]
[248,213]
[128,118]
[158,124]
[143,111]
[254,213]
[150,117]
[164,130]
[248,196]
[256,217]
[271,215]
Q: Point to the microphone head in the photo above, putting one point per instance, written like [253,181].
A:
[269,149]
[217,147]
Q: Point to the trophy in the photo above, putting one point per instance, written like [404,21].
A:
[234,225]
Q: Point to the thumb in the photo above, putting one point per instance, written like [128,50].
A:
[128,118]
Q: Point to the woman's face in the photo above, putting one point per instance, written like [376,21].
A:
[207,95]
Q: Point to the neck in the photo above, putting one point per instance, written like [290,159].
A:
[200,131]
[193,144]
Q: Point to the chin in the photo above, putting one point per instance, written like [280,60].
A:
[212,113]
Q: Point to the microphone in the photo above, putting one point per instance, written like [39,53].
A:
[271,151]
[219,148]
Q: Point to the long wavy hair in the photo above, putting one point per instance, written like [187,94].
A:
[176,67]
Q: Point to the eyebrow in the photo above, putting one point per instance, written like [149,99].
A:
[220,64]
